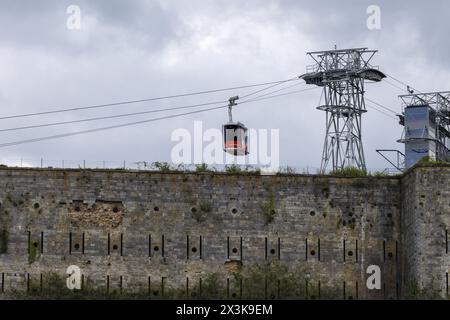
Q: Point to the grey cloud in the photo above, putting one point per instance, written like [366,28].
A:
[139,49]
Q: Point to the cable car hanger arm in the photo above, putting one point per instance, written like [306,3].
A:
[232,102]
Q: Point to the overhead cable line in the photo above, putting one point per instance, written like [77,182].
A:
[275,91]
[395,86]
[145,100]
[69,134]
[109,117]
[381,111]
[131,114]
[278,95]
[382,106]
[267,88]
[403,83]
[106,128]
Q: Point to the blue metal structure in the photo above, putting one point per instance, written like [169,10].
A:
[426,118]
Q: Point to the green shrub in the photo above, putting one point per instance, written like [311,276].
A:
[203,168]
[350,172]
[428,160]
[162,166]
[287,170]
[380,174]
[233,169]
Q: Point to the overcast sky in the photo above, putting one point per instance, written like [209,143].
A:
[128,50]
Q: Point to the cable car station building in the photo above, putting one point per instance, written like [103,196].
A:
[426,119]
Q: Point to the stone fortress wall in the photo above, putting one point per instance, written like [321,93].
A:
[245,236]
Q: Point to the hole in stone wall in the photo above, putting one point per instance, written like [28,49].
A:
[313,252]
[312,213]
[156,209]
[234,211]
[155,248]
[76,246]
[35,244]
[235,250]
[389,215]
[115,247]
[155,293]
[272,251]
[446,241]
[194,249]
[390,254]
[193,209]
[446,283]
[350,253]
[77,209]
[233,295]
[115,210]
[36,205]
[3,241]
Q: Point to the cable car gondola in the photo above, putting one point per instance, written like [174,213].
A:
[235,134]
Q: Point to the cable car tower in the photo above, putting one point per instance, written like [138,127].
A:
[342,74]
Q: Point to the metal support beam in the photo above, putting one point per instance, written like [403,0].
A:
[342,74]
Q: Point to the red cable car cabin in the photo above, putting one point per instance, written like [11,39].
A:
[235,139]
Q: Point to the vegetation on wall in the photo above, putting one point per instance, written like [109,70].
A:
[200,215]
[429,160]
[260,282]
[204,168]
[287,171]
[380,174]
[268,207]
[162,166]
[33,251]
[415,292]
[236,169]
[350,172]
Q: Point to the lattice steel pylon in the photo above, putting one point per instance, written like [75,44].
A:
[342,74]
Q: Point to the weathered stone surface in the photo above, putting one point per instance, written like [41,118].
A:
[303,236]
